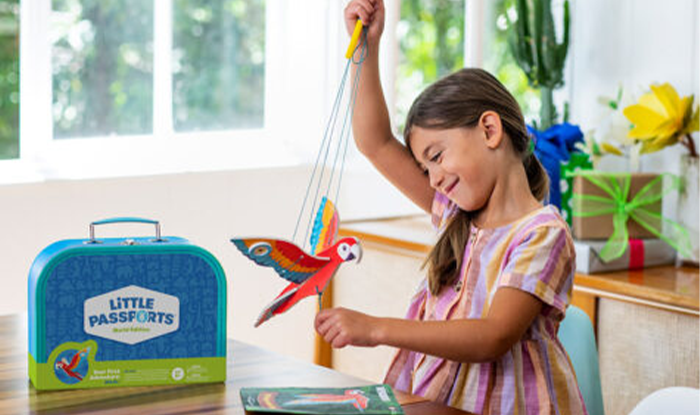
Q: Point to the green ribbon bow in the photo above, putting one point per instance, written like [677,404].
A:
[617,189]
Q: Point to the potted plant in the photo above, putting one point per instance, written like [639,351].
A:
[533,44]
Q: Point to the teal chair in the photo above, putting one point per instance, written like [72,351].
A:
[577,336]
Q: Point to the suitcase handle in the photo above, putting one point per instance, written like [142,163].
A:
[123,220]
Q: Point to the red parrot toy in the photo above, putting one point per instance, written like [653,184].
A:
[307,274]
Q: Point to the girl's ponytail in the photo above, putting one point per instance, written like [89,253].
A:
[445,259]
[537,176]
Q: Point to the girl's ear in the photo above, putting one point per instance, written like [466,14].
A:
[490,123]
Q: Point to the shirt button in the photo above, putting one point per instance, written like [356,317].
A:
[458,286]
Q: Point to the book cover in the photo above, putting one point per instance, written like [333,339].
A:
[368,400]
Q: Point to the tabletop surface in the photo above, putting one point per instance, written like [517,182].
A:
[248,366]
[678,287]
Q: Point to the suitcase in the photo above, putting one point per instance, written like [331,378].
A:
[126,312]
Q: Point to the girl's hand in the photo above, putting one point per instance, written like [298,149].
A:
[372,14]
[342,327]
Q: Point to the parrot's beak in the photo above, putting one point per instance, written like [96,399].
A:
[356,252]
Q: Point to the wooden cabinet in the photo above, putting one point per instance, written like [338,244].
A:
[646,321]
[647,331]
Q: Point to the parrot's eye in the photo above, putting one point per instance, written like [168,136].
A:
[260,249]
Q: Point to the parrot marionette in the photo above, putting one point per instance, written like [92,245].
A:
[308,274]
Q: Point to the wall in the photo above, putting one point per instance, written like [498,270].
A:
[632,43]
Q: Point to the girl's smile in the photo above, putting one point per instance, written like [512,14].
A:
[450,188]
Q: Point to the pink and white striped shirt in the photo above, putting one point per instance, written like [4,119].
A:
[534,254]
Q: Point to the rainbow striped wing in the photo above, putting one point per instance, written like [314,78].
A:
[325,228]
[288,260]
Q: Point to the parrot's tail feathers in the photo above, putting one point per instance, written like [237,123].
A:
[274,306]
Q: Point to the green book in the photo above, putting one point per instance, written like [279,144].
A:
[369,400]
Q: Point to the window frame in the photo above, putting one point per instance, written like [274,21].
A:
[163,151]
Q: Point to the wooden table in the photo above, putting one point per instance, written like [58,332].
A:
[665,287]
[248,366]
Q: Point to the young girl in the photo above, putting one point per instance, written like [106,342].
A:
[481,333]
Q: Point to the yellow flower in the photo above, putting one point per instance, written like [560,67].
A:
[661,118]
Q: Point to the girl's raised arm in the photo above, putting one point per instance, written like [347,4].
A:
[370,124]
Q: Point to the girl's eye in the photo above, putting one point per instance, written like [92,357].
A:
[436,157]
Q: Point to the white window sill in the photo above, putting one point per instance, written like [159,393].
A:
[109,157]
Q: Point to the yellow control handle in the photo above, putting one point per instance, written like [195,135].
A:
[354,39]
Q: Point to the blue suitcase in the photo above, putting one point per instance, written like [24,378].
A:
[126,312]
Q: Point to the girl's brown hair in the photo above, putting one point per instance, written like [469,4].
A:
[457,101]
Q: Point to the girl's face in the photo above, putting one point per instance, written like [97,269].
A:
[459,163]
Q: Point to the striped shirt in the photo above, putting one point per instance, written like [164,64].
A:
[534,254]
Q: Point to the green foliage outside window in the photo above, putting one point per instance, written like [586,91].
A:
[9,79]
[103,66]
[102,61]
[219,64]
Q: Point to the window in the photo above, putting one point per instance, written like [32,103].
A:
[133,87]
[120,87]
[103,66]
[9,79]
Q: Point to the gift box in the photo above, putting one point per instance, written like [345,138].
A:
[640,253]
[600,196]
[577,161]
[621,207]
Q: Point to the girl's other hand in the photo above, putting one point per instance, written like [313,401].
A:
[372,14]
[342,327]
